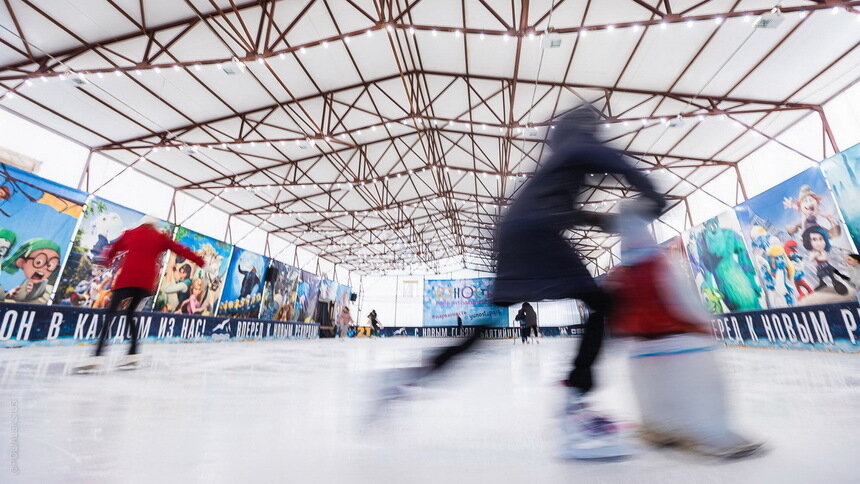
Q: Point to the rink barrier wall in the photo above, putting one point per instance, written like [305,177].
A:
[489,333]
[28,325]
[829,327]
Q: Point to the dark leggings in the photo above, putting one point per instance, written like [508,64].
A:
[592,338]
[535,330]
[589,346]
[525,332]
[124,300]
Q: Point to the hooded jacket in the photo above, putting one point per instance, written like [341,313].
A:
[533,259]
[142,248]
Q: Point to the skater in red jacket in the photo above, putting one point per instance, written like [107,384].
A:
[140,250]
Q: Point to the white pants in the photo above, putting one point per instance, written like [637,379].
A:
[680,391]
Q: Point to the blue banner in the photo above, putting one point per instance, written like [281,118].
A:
[456,332]
[243,288]
[468,299]
[830,327]
[29,324]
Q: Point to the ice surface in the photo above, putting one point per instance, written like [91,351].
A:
[291,411]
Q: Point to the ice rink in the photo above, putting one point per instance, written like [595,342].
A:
[294,412]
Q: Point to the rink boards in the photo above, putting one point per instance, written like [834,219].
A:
[490,333]
[832,327]
[24,325]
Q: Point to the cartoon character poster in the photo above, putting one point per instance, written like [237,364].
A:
[243,288]
[725,277]
[37,220]
[307,295]
[86,279]
[188,289]
[279,295]
[798,242]
[842,172]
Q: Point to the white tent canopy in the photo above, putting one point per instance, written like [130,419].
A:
[390,135]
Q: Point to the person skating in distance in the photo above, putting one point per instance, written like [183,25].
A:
[534,261]
[141,249]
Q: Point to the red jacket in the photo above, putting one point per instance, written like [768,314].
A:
[642,306]
[143,247]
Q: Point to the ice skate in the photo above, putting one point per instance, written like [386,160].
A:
[129,362]
[732,447]
[93,364]
[589,435]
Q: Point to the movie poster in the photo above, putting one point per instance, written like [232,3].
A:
[798,242]
[243,287]
[842,172]
[725,277]
[86,279]
[37,220]
[328,290]
[279,295]
[307,295]
[186,288]
[446,299]
[678,254]
[341,300]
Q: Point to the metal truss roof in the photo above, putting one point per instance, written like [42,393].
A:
[390,134]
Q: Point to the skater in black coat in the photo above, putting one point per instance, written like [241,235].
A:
[535,262]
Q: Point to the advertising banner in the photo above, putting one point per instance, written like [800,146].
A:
[26,324]
[328,290]
[307,295]
[37,220]
[243,288]
[341,301]
[842,172]
[469,299]
[832,327]
[455,332]
[85,281]
[798,242]
[185,288]
[721,266]
[279,295]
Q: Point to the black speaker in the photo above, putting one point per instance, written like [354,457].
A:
[353,297]
[271,274]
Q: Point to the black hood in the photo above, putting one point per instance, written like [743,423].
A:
[578,125]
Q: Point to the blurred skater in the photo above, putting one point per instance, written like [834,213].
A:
[375,326]
[520,318]
[676,378]
[534,261]
[344,321]
[140,250]
[531,322]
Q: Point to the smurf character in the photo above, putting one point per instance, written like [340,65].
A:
[808,203]
[761,242]
[803,287]
[817,241]
[38,259]
[781,274]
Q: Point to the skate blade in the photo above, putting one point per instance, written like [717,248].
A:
[742,452]
[127,367]
[86,370]
[607,453]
